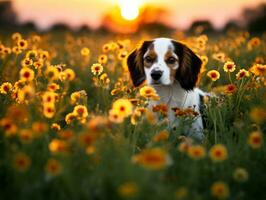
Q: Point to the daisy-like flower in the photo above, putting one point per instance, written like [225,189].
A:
[148,92]
[52,73]
[258,69]
[70,117]
[32,54]
[128,190]
[85,51]
[196,152]
[21,162]
[26,74]
[102,59]
[55,127]
[241,74]
[96,69]
[115,117]
[48,110]
[123,107]
[69,74]
[22,44]
[52,87]
[229,66]
[16,36]
[16,50]
[122,55]
[5,88]
[258,114]
[214,75]
[26,62]
[230,88]
[25,135]
[44,55]
[106,47]
[39,128]
[220,190]
[219,56]
[80,111]
[218,153]
[154,158]
[49,97]
[255,139]
[53,167]
[240,174]
[9,127]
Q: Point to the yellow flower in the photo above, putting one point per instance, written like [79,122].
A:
[123,107]
[70,117]
[16,36]
[26,62]
[196,152]
[52,73]
[149,93]
[255,139]
[214,75]
[80,111]
[218,153]
[240,174]
[53,167]
[5,88]
[128,190]
[102,59]
[55,127]
[16,50]
[44,54]
[229,66]
[32,54]
[258,69]
[220,190]
[106,48]
[122,55]
[48,110]
[258,115]
[21,162]
[154,158]
[26,93]
[219,56]
[22,44]
[115,117]
[85,51]
[49,97]
[96,69]
[26,74]
[69,74]
[241,74]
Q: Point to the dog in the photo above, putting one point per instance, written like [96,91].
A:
[172,69]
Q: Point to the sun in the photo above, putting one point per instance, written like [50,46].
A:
[129,9]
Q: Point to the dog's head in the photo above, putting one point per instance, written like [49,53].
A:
[162,61]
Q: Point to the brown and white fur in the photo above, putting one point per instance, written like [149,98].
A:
[172,69]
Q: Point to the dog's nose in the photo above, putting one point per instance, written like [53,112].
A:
[156,74]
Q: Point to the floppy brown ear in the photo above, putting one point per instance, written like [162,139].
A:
[135,64]
[189,66]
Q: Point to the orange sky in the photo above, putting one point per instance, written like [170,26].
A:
[78,12]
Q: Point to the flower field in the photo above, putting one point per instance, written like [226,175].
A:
[72,126]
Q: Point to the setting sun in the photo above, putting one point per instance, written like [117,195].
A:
[129,9]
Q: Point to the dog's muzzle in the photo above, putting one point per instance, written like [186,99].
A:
[156,74]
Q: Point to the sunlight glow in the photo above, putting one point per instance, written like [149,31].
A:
[129,9]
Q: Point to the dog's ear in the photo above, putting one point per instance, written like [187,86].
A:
[189,66]
[135,63]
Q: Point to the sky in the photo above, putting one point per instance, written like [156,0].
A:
[180,13]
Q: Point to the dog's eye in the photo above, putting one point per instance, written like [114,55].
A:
[171,60]
[148,59]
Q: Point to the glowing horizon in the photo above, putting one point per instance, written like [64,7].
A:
[75,13]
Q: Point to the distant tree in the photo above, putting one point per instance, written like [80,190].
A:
[256,18]
[7,14]
[232,25]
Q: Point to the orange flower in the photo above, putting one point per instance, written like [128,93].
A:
[128,190]
[21,162]
[26,135]
[69,74]
[196,152]
[149,93]
[229,66]
[48,110]
[213,74]
[57,145]
[53,167]
[80,111]
[218,153]
[258,115]
[115,117]
[220,190]
[70,117]
[258,69]
[9,127]
[230,88]
[162,136]
[154,158]
[123,107]
[255,139]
